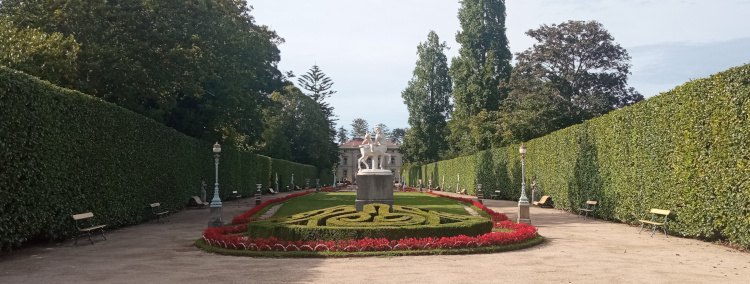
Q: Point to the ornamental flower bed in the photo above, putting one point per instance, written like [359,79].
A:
[230,237]
[245,217]
[497,217]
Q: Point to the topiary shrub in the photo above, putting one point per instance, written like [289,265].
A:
[375,221]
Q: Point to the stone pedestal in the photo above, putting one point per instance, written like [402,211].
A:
[523,214]
[374,186]
[215,220]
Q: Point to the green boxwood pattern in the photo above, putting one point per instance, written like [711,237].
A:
[375,221]
[687,150]
[63,153]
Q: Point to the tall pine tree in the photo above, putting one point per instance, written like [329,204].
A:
[427,97]
[482,65]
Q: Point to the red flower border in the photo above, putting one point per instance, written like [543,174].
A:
[230,237]
[245,217]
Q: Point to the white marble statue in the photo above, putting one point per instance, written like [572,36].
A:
[374,149]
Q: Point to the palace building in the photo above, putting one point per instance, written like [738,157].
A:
[349,154]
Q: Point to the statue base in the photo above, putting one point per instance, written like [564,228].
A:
[214,221]
[523,214]
[374,186]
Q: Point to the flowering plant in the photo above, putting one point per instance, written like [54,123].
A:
[245,217]
[230,237]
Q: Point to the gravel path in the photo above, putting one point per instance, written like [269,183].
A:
[575,251]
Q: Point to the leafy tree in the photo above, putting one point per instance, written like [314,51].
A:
[575,72]
[483,63]
[341,135]
[202,67]
[316,82]
[295,129]
[51,57]
[359,127]
[397,135]
[427,97]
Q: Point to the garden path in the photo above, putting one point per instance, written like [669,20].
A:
[575,251]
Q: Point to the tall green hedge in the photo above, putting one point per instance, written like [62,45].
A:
[687,150]
[63,153]
[285,169]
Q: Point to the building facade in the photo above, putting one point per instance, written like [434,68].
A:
[349,154]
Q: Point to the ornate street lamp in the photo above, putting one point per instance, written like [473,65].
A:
[523,202]
[215,219]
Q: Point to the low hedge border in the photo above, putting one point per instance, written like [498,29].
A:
[200,243]
[344,222]
[506,236]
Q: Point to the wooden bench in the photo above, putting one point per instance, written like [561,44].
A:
[463,191]
[199,203]
[653,222]
[85,225]
[545,201]
[495,195]
[588,208]
[236,195]
[156,209]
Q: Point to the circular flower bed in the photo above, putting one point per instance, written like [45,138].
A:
[236,239]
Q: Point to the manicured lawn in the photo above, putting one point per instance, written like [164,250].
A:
[322,200]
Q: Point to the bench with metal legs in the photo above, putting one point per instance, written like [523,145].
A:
[86,217]
[589,208]
[653,222]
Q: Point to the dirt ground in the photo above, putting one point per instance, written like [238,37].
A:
[575,251]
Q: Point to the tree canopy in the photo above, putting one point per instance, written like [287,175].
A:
[202,67]
[574,73]
[483,63]
[427,97]
[359,127]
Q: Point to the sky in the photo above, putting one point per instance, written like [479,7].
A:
[368,48]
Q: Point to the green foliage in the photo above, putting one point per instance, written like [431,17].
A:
[63,153]
[574,73]
[397,135]
[375,221]
[298,254]
[482,65]
[318,83]
[411,173]
[341,135]
[452,174]
[285,170]
[49,56]
[685,150]
[360,127]
[322,200]
[296,129]
[202,67]
[427,97]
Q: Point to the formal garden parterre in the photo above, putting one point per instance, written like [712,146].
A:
[360,234]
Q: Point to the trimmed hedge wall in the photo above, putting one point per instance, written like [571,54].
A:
[285,169]
[63,153]
[687,150]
